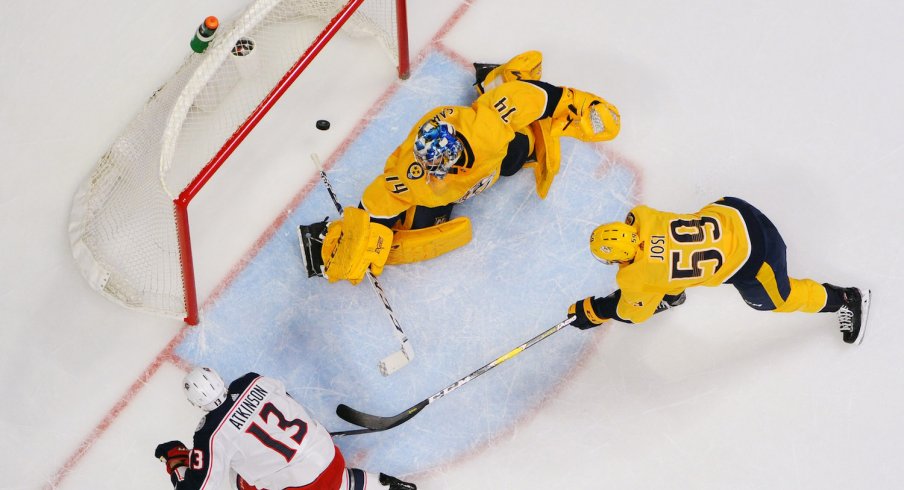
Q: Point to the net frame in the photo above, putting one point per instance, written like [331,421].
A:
[90,205]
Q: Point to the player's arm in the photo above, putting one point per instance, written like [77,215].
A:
[519,103]
[636,306]
[389,195]
[621,306]
[174,456]
[573,112]
[386,198]
[203,471]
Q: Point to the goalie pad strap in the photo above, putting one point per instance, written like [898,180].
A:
[426,243]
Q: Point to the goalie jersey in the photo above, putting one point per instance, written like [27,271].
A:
[265,436]
[485,129]
[679,251]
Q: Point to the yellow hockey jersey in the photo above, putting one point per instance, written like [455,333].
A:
[485,130]
[679,251]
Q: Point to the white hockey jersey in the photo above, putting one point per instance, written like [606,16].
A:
[266,437]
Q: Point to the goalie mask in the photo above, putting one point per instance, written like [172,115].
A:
[614,243]
[437,148]
[204,388]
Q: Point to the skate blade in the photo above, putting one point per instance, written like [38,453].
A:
[865,297]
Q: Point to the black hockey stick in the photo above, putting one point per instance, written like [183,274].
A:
[396,360]
[374,423]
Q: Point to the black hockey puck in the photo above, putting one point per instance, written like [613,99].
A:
[323,125]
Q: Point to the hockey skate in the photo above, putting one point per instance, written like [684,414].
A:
[395,484]
[481,70]
[310,240]
[853,314]
[671,301]
[524,66]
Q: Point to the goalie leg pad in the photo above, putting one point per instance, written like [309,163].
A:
[525,66]
[353,245]
[426,243]
[585,116]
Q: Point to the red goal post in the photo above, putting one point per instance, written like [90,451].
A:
[129,225]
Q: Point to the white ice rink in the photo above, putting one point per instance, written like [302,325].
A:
[795,106]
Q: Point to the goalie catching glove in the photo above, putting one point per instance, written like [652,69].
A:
[578,114]
[174,455]
[585,116]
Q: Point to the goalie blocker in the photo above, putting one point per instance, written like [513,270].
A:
[345,249]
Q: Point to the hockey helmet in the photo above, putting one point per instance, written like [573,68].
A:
[437,148]
[614,242]
[204,388]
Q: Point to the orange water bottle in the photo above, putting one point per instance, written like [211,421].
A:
[204,34]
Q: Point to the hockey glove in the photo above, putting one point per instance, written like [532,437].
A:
[174,455]
[585,316]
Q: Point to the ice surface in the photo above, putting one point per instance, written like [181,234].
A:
[795,107]
[527,263]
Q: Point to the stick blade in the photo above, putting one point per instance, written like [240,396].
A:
[394,362]
[354,432]
[375,422]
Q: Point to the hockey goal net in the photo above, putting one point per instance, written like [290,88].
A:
[129,222]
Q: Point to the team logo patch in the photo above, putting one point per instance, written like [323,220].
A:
[415,171]
[629,219]
[477,188]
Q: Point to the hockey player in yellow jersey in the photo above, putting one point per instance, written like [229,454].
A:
[660,254]
[450,155]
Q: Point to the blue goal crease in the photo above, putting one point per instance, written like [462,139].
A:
[527,262]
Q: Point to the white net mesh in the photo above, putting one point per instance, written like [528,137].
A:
[122,227]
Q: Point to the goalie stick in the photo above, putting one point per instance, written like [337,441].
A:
[374,423]
[396,360]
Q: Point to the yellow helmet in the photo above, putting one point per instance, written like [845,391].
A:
[614,242]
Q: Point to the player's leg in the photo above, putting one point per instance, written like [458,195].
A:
[771,289]
[310,241]
[425,233]
[424,217]
[345,249]
[789,294]
[524,66]
[853,310]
